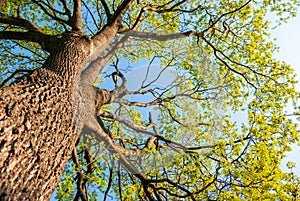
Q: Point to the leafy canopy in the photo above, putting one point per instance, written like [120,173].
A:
[208,116]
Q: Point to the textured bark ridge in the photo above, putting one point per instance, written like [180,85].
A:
[37,130]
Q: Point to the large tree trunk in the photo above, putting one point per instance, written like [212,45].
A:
[37,129]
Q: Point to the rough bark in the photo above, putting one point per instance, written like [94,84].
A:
[37,129]
[42,114]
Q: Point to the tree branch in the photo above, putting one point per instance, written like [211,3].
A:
[101,134]
[80,178]
[143,129]
[135,127]
[18,21]
[162,37]
[90,73]
[120,11]
[48,43]
[102,97]
[76,20]
[67,9]
[174,8]
[50,7]
[216,51]
[26,36]
[89,10]
[30,50]
[110,180]
[112,27]
[230,12]
[139,19]
[119,182]
[54,17]
[108,14]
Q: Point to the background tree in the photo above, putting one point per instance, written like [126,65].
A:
[176,139]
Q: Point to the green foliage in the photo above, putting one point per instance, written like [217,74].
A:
[227,103]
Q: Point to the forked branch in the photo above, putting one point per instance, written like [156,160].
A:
[51,13]
[112,27]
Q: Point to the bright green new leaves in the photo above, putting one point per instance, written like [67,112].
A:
[227,107]
[209,124]
[11,7]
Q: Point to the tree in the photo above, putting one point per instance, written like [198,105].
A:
[179,140]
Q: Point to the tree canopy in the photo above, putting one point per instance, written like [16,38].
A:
[198,104]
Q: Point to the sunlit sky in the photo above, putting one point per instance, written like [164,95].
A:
[288,39]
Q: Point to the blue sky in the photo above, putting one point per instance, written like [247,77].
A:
[288,39]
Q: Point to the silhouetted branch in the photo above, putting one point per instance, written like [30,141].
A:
[107,11]
[53,16]
[90,12]
[110,179]
[48,43]
[80,177]
[18,21]
[67,9]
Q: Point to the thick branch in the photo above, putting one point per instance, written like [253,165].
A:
[94,127]
[119,13]
[101,42]
[47,42]
[26,36]
[111,29]
[113,147]
[102,97]
[76,20]
[90,74]
[163,37]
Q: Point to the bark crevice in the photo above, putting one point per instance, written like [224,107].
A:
[37,124]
